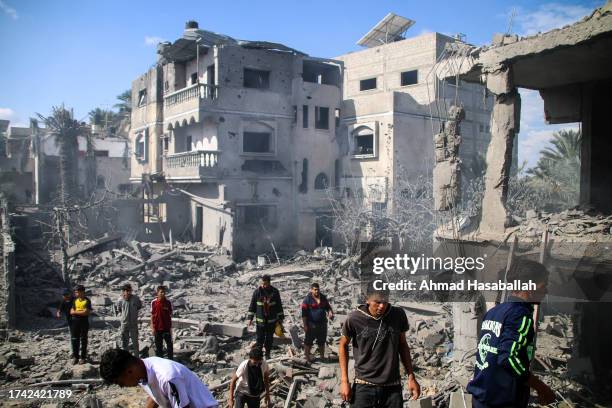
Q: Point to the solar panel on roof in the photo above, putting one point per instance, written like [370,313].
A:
[389,29]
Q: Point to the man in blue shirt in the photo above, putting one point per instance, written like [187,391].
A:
[502,377]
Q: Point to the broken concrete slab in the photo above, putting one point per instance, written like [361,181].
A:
[91,245]
[231,330]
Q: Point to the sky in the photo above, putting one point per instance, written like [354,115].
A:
[84,53]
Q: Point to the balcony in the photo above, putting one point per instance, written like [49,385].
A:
[192,166]
[183,106]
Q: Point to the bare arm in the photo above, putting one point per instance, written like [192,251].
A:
[232,387]
[267,384]
[343,356]
[404,350]
[151,403]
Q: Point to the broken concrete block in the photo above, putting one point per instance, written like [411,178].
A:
[232,330]
[326,372]
[421,403]
[460,399]
[23,362]
[432,340]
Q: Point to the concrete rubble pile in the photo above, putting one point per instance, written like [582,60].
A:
[569,225]
[210,294]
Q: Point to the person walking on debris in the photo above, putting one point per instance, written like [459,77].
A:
[64,309]
[377,332]
[169,384]
[506,346]
[161,323]
[315,312]
[249,381]
[80,310]
[267,309]
[128,307]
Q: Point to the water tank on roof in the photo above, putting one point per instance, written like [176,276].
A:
[191,24]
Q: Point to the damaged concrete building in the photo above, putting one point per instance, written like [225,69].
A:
[392,101]
[571,68]
[241,143]
[227,137]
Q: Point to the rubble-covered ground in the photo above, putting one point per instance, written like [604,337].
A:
[210,295]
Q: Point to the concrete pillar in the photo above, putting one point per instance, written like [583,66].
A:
[505,121]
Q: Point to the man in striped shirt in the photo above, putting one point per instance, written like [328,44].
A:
[502,377]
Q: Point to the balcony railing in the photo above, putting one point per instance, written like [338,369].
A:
[199,158]
[201,91]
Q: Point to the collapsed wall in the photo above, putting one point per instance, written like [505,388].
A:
[7,269]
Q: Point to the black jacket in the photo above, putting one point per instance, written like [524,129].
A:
[266,306]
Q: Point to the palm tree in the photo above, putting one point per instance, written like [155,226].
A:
[559,164]
[65,129]
[125,104]
[103,117]
[564,150]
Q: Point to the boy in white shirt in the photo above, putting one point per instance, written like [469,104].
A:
[168,383]
[249,381]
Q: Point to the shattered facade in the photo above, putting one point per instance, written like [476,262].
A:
[240,143]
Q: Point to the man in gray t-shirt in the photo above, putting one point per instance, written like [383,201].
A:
[128,306]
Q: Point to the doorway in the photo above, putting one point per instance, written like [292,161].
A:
[199,224]
[323,231]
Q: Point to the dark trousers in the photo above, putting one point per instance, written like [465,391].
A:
[160,337]
[241,400]
[78,334]
[373,396]
[265,335]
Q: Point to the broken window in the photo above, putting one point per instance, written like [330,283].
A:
[321,182]
[154,212]
[256,142]
[194,78]
[255,78]
[256,215]
[367,84]
[321,117]
[166,143]
[140,146]
[303,187]
[305,116]
[364,144]
[188,144]
[409,77]
[337,116]
[142,97]
[101,153]
[320,73]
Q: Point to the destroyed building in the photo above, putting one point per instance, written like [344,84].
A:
[241,144]
[29,162]
[571,68]
[228,134]
[391,100]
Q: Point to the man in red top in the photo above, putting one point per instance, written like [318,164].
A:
[161,322]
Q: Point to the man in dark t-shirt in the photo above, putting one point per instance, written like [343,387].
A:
[377,332]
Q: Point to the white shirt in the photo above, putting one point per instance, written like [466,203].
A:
[172,385]
[242,386]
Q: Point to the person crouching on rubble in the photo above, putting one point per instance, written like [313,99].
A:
[267,309]
[377,332]
[502,376]
[249,381]
[79,329]
[315,312]
[169,384]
